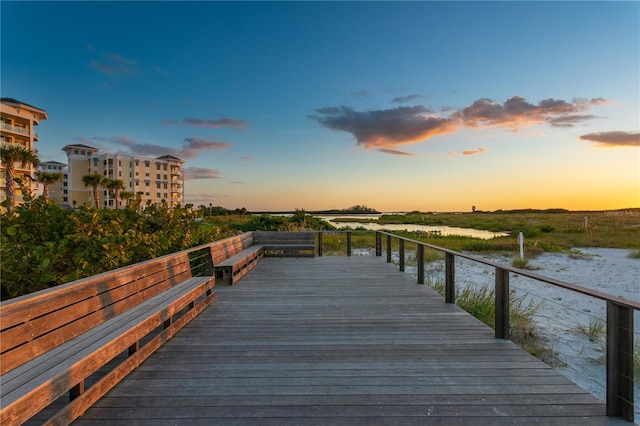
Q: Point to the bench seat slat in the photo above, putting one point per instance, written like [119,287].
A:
[42,364]
[235,267]
[91,352]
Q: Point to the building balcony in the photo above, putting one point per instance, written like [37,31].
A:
[16,129]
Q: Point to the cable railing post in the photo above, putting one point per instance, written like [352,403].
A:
[378,244]
[449,278]
[319,243]
[420,260]
[620,361]
[388,248]
[401,254]
[502,303]
[348,243]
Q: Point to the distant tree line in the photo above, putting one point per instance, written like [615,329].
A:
[211,210]
[357,209]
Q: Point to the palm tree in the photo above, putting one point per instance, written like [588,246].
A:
[94,181]
[10,154]
[126,195]
[46,179]
[114,186]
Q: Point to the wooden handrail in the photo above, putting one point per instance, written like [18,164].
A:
[619,321]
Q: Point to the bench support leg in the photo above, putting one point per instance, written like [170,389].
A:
[76,391]
[134,348]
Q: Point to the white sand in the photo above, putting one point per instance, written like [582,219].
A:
[563,315]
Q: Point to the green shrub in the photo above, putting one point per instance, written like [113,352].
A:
[43,245]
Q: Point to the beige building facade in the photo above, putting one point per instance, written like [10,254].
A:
[17,126]
[57,191]
[157,180]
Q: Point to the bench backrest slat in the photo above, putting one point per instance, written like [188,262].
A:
[229,247]
[41,321]
[264,237]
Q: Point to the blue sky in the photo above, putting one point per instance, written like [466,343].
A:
[428,106]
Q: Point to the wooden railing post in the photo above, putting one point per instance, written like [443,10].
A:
[378,244]
[319,243]
[401,254]
[348,243]
[449,278]
[619,361]
[388,248]
[420,260]
[502,303]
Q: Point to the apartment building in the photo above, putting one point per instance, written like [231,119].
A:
[157,180]
[17,126]
[57,191]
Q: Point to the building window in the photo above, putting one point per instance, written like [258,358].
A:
[75,151]
[158,176]
[158,195]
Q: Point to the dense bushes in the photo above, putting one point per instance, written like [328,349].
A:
[44,245]
[299,221]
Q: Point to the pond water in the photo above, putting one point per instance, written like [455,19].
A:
[442,230]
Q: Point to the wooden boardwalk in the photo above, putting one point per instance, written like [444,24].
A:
[340,340]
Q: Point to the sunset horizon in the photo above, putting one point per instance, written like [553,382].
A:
[400,106]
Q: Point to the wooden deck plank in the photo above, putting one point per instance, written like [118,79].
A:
[341,340]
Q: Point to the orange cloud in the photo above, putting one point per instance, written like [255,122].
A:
[200,173]
[386,128]
[615,138]
[474,151]
[394,152]
[411,124]
[516,112]
[190,149]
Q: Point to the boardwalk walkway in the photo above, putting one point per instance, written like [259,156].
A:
[340,340]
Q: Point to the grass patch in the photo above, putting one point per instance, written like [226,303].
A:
[521,263]
[551,230]
[594,331]
[480,302]
[634,254]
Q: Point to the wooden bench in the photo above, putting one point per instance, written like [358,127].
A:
[234,257]
[286,244]
[83,337]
